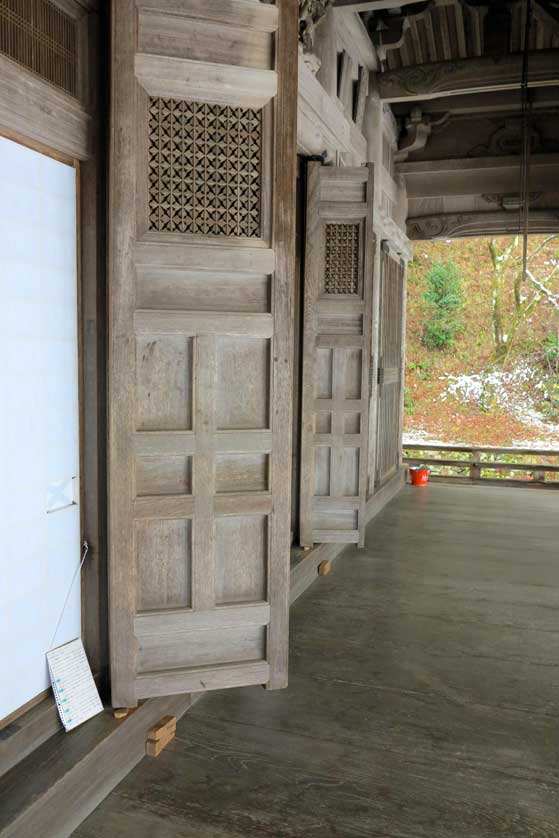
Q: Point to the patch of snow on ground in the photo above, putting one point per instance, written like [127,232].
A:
[502,389]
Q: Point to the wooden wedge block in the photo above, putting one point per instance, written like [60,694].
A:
[122,712]
[160,735]
[324,568]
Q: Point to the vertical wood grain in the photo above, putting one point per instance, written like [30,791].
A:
[203,566]
[283,242]
[122,230]
[314,259]
[368,282]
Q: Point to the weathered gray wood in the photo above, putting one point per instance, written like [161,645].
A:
[468,75]
[200,679]
[257,614]
[27,733]
[389,389]
[234,257]
[325,49]
[162,33]
[432,714]
[483,175]
[489,481]
[52,795]
[114,747]
[336,353]
[489,449]
[191,323]
[92,240]
[181,78]
[484,464]
[283,242]
[201,355]
[475,464]
[32,108]
[121,422]
[362,93]
[244,13]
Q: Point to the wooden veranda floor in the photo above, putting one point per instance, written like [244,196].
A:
[423,697]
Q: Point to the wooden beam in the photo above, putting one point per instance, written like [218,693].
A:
[496,101]
[477,176]
[469,75]
[351,32]
[372,5]
[468,224]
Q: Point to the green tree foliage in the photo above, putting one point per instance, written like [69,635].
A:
[444,301]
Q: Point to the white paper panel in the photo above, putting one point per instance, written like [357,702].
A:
[39,453]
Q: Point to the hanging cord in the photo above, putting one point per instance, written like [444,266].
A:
[526,140]
[85,551]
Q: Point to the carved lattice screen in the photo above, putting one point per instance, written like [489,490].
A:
[204,168]
[38,35]
[341,268]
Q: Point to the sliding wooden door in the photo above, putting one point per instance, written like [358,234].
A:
[201,229]
[390,366]
[338,279]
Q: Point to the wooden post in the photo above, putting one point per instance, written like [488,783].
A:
[475,470]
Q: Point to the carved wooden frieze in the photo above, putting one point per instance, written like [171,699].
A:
[507,139]
[204,168]
[341,262]
[467,224]
[466,76]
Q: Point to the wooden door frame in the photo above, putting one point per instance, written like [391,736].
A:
[73,163]
[35,113]
[387,250]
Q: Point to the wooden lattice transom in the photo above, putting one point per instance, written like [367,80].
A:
[42,38]
[341,264]
[204,168]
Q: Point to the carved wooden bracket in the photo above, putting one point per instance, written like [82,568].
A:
[418,131]
[311,13]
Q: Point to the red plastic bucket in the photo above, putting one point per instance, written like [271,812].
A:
[419,475]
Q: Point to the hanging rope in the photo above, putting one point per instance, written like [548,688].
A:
[526,140]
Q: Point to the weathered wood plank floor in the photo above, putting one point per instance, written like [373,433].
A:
[423,698]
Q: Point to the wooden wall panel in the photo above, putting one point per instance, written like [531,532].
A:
[336,353]
[202,257]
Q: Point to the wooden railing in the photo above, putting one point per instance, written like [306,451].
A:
[493,466]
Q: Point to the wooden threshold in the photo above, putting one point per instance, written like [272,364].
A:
[50,792]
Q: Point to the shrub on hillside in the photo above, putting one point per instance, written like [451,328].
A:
[444,301]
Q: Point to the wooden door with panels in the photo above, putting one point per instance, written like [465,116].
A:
[390,365]
[201,230]
[338,279]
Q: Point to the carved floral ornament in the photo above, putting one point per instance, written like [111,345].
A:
[422,79]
